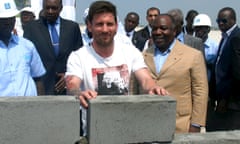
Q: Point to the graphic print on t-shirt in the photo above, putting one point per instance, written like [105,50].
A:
[111,80]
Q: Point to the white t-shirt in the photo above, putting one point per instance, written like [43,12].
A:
[108,76]
[83,62]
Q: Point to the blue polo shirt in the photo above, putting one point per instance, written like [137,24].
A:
[19,62]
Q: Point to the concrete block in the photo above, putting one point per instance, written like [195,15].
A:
[131,119]
[218,137]
[39,120]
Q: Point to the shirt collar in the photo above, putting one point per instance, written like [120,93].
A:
[207,43]
[157,51]
[149,29]
[57,22]
[13,39]
[231,29]
[180,37]
[131,32]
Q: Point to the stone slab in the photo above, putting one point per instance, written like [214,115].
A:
[218,137]
[39,120]
[131,119]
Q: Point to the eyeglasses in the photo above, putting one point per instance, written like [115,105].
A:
[221,20]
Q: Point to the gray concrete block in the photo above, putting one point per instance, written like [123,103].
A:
[218,137]
[39,120]
[131,119]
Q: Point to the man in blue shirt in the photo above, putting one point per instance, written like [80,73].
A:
[19,60]
[202,27]
[181,70]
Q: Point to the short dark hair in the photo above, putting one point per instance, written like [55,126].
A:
[191,14]
[153,8]
[232,12]
[133,13]
[60,1]
[98,7]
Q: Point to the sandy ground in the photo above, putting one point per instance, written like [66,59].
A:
[216,35]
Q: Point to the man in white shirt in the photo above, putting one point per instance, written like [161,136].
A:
[91,65]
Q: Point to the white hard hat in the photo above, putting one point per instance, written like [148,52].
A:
[28,9]
[85,14]
[8,9]
[202,20]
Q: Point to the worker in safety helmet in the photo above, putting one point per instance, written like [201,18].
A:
[202,27]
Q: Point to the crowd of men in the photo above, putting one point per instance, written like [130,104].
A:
[53,57]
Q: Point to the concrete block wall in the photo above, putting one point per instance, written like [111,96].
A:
[220,137]
[131,119]
[39,120]
[55,120]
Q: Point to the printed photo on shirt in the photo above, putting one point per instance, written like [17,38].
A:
[111,80]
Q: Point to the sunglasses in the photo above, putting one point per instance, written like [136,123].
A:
[221,20]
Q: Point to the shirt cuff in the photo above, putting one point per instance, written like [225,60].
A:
[196,125]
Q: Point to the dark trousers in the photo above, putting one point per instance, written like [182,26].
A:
[81,131]
[229,120]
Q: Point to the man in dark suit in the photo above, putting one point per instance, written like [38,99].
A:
[141,36]
[55,38]
[189,40]
[224,85]
[131,21]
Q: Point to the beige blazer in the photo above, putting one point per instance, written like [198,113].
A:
[184,76]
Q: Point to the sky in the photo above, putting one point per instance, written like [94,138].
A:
[209,7]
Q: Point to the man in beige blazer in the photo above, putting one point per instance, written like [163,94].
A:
[181,70]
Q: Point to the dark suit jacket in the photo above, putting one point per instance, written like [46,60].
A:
[227,70]
[70,39]
[140,37]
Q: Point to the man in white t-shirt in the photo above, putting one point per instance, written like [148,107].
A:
[104,66]
[87,36]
